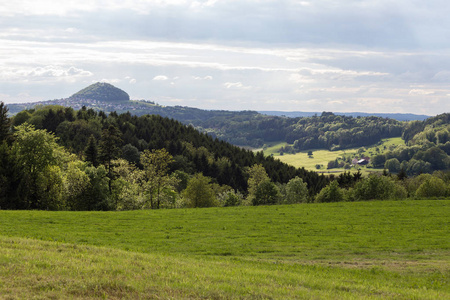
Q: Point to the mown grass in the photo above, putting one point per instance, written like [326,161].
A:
[343,250]
[322,157]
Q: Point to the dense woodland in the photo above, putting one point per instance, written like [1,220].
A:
[427,148]
[120,150]
[327,131]
[60,159]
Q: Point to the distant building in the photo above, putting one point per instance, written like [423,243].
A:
[363,161]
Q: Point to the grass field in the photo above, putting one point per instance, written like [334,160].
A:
[392,249]
[322,157]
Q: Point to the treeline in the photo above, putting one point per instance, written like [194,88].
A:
[327,131]
[249,128]
[386,187]
[427,148]
[334,132]
[58,158]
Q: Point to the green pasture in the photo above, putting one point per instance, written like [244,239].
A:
[361,250]
[322,157]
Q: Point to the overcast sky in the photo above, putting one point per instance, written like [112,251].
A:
[321,55]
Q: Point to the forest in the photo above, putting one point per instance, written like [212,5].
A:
[327,131]
[426,149]
[56,158]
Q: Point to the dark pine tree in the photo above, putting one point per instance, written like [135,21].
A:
[91,151]
[110,144]
[5,124]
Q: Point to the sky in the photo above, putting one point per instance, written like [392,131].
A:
[378,56]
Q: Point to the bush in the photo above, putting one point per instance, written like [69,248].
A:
[296,191]
[230,198]
[433,187]
[330,193]
[377,187]
[266,193]
[393,165]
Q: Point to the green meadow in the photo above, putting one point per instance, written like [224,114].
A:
[322,157]
[359,250]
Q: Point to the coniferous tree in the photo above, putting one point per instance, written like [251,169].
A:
[109,149]
[91,151]
[5,123]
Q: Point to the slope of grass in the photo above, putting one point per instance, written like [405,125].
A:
[322,157]
[341,250]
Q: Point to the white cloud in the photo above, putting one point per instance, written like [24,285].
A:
[202,78]
[230,54]
[42,73]
[230,85]
[160,78]
[236,85]
[420,92]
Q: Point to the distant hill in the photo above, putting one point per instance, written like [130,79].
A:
[102,91]
[395,116]
[246,128]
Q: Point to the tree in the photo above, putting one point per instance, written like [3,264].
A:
[7,178]
[97,196]
[378,161]
[402,174]
[91,151]
[76,183]
[128,187]
[393,165]
[296,191]
[257,175]
[199,192]
[36,152]
[266,193]
[156,166]
[330,193]
[230,198]
[110,149]
[377,187]
[131,153]
[5,123]
[433,187]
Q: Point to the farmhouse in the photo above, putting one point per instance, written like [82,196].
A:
[363,161]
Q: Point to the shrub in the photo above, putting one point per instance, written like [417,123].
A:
[266,193]
[433,187]
[375,187]
[296,191]
[330,193]
[393,165]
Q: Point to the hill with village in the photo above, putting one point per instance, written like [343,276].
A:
[243,128]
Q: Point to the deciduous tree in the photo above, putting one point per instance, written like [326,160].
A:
[199,192]
[296,191]
[156,166]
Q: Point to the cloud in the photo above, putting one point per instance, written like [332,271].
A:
[203,78]
[43,73]
[235,85]
[370,23]
[160,78]
[298,54]
[420,92]
[56,71]
[108,80]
